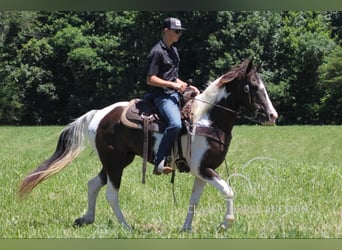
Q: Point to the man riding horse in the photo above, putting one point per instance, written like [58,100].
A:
[163,66]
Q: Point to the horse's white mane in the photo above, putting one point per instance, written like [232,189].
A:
[211,95]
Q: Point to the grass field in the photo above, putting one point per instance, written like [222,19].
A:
[287,180]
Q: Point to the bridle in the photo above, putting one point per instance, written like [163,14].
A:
[238,114]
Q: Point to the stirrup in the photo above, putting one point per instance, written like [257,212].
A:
[182,165]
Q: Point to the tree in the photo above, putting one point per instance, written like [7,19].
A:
[303,41]
[57,65]
[15,29]
[335,18]
[331,85]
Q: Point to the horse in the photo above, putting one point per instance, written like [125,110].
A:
[215,110]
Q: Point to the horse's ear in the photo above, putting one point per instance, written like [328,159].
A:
[228,77]
[249,66]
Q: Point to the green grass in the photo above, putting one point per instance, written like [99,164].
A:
[295,189]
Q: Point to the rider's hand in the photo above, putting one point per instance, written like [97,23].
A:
[196,90]
[180,86]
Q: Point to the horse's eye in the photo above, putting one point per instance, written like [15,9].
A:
[246,88]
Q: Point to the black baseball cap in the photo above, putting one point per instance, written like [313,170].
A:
[173,24]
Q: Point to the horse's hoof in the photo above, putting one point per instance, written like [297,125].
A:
[222,227]
[186,230]
[127,227]
[226,225]
[81,222]
[78,222]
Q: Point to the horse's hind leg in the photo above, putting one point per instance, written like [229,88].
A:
[114,166]
[112,196]
[94,187]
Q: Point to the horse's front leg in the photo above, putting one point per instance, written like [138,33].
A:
[229,217]
[227,194]
[195,196]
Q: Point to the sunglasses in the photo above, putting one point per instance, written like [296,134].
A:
[178,31]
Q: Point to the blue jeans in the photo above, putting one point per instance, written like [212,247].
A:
[168,106]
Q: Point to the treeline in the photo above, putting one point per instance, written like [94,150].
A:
[55,66]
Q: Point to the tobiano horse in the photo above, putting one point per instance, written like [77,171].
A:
[215,110]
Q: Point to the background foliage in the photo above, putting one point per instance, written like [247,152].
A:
[57,65]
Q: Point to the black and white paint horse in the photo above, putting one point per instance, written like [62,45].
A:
[215,109]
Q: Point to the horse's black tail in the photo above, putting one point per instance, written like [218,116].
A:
[70,144]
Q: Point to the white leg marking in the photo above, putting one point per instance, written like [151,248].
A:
[94,186]
[195,196]
[228,196]
[223,187]
[112,196]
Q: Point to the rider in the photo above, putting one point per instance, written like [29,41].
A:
[162,75]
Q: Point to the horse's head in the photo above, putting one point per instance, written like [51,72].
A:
[251,92]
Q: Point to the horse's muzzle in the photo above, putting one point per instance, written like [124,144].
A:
[272,118]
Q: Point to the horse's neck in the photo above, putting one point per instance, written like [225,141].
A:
[217,118]
[208,111]
[223,119]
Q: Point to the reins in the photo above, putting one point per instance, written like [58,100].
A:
[237,113]
[217,105]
